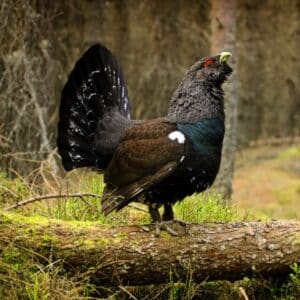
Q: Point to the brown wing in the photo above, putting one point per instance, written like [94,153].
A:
[145,156]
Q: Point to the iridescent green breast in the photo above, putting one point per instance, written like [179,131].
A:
[206,135]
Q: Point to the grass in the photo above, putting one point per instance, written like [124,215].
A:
[206,207]
[22,277]
[266,186]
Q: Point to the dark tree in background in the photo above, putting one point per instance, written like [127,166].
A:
[155,41]
[223,24]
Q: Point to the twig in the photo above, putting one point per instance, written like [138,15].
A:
[30,153]
[55,196]
[243,293]
[51,196]
[137,208]
[8,190]
[89,204]
[127,292]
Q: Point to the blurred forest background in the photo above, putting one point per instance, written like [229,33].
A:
[155,42]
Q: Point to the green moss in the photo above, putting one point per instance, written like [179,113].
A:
[10,217]
[119,237]
[12,255]
[296,240]
[17,217]
[32,280]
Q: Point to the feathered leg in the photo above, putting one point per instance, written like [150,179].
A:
[154,213]
[159,223]
[168,215]
[168,212]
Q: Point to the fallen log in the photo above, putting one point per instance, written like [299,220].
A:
[129,255]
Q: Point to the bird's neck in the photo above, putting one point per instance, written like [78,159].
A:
[195,100]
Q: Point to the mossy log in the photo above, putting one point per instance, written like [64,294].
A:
[129,255]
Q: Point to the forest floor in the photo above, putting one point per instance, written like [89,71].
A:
[266,186]
[267,182]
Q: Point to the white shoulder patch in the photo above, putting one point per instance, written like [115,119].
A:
[177,135]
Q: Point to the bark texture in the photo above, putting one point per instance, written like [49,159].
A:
[131,256]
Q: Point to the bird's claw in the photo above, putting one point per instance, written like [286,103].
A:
[164,226]
[159,226]
[145,228]
[180,222]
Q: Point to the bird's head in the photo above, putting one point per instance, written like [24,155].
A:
[212,69]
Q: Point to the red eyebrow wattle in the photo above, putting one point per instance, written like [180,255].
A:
[207,63]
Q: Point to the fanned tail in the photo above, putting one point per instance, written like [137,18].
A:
[94,91]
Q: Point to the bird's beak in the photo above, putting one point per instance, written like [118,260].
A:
[224,56]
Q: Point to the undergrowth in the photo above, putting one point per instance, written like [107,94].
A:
[23,276]
[205,207]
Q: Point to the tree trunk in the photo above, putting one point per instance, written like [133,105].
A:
[131,256]
[223,39]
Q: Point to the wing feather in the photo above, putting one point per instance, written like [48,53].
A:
[145,157]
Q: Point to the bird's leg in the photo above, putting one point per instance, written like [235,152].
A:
[169,215]
[154,213]
[159,224]
[168,212]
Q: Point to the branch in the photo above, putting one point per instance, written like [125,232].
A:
[56,196]
[128,255]
[53,196]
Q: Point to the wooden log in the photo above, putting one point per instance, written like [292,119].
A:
[129,255]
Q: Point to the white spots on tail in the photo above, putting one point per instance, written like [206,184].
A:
[95,72]
[75,157]
[84,87]
[91,95]
[182,158]
[177,136]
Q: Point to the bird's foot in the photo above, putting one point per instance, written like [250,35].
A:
[159,226]
[164,225]
[145,228]
[180,222]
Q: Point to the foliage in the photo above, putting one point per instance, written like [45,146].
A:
[206,207]
[23,276]
[26,85]
[290,289]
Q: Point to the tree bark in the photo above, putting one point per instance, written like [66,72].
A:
[223,18]
[129,255]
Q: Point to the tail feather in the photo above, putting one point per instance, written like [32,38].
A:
[94,88]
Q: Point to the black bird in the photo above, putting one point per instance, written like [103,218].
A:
[156,162]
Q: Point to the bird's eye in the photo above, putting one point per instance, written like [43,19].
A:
[207,63]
